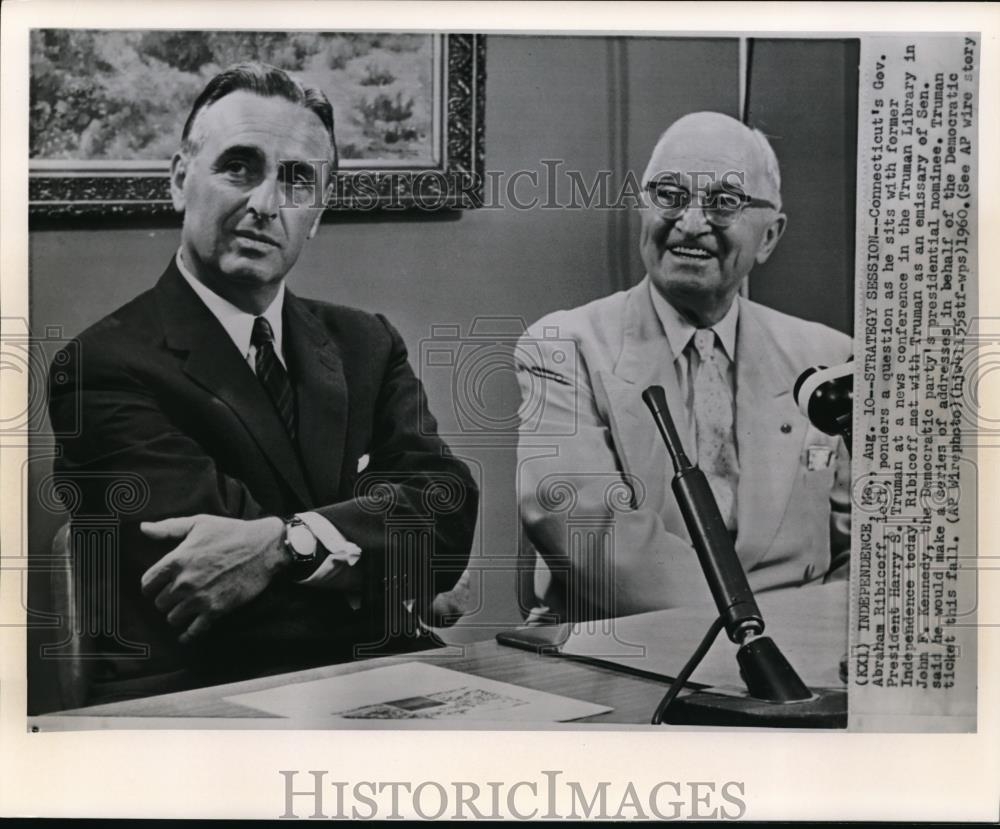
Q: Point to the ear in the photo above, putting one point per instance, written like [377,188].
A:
[178,171]
[769,241]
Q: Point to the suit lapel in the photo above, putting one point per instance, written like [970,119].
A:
[321,397]
[769,432]
[645,360]
[214,362]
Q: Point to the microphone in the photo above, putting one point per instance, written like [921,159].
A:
[768,675]
[709,536]
[826,397]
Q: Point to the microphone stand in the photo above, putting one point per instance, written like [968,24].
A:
[777,696]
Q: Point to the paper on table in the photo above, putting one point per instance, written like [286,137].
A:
[415,691]
[809,624]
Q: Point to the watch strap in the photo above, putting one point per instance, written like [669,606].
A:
[301,565]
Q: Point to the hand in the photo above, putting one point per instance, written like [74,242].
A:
[448,607]
[221,564]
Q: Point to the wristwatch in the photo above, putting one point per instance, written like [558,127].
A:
[301,545]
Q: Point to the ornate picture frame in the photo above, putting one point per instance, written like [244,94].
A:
[450,176]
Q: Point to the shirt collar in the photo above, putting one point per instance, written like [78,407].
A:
[238,323]
[679,331]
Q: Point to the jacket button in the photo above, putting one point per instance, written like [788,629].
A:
[786,428]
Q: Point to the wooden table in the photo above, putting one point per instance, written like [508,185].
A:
[632,698]
[810,624]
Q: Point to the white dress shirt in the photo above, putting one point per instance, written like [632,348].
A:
[239,326]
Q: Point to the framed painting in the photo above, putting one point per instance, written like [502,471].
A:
[107,107]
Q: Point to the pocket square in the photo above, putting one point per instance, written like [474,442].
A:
[818,457]
[363,463]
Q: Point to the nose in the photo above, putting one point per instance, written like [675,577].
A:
[263,201]
[693,220]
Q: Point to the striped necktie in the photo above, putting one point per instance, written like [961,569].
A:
[272,374]
[713,416]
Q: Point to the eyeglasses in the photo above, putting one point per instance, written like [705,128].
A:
[721,207]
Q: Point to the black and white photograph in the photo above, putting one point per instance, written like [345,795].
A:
[215,470]
[385,382]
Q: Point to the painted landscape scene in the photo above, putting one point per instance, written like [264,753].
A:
[123,95]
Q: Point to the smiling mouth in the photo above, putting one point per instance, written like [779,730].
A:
[686,252]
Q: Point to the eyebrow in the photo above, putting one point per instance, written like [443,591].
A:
[287,165]
[713,187]
[245,150]
[294,165]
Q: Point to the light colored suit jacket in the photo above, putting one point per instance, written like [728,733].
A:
[604,534]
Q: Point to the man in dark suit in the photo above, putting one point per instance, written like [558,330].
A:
[292,501]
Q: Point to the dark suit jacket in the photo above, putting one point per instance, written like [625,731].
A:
[172,422]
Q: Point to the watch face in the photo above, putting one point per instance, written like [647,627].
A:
[302,541]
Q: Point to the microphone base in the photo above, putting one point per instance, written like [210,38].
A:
[826,709]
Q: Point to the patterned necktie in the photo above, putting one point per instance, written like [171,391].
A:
[272,374]
[713,416]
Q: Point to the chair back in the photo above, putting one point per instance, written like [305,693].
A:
[72,671]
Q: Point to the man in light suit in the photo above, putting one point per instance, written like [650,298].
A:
[291,500]
[594,476]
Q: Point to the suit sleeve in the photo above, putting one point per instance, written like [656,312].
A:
[606,553]
[123,457]
[414,508]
